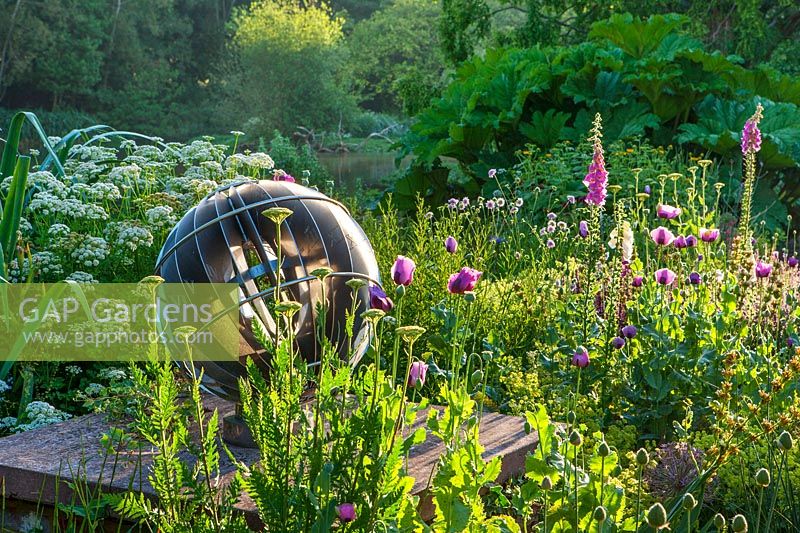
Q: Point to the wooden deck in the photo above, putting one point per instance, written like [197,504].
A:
[35,466]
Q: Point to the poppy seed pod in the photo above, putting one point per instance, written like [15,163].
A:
[600,514]
[604,450]
[739,524]
[785,440]
[642,457]
[657,516]
[688,502]
[763,478]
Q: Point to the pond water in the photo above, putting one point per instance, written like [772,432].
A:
[350,168]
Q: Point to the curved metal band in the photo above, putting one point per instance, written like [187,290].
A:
[235,212]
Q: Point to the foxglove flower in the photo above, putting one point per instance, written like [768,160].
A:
[417,373]
[709,234]
[662,236]
[581,357]
[665,276]
[763,269]
[463,281]
[583,229]
[629,331]
[751,135]
[695,278]
[403,270]
[596,179]
[451,244]
[667,211]
[346,512]
[626,244]
[379,300]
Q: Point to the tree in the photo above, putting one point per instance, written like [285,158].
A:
[395,56]
[289,67]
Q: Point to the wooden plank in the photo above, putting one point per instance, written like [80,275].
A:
[36,465]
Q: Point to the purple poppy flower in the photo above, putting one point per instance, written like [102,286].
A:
[790,342]
[379,300]
[403,270]
[583,229]
[792,261]
[581,357]
[551,216]
[463,281]
[550,243]
[695,278]
[495,239]
[492,173]
[570,199]
[618,342]
[709,234]
[416,374]
[346,512]
[490,205]
[283,176]
[629,331]
[451,244]
[638,281]
[667,211]
[680,242]
[665,276]
[647,189]
[691,241]
[662,236]
[763,269]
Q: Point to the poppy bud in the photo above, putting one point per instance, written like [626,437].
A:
[600,514]
[657,516]
[739,524]
[547,483]
[719,521]
[763,478]
[642,457]
[785,440]
[689,502]
[575,438]
[603,450]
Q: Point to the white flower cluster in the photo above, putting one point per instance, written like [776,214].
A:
[256,161]
[45,204]
[79,276]
[25,227]
[39,414]
[18,273]
[46,181]
[98,192]
[92,152]
[87,171]
[4,387]
[199,151]
[126,175]
[90,251]
[161,217]
[46,264]
[132,236]
[148,152]
[58,231]
[94,389]
[113,374]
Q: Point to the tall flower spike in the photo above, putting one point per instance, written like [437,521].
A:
[751,143]
[596,179]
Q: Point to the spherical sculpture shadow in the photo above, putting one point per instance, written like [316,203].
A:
[227,239]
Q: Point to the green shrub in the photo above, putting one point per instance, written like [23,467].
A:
[646,77]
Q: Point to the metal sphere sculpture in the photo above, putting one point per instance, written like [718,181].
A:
[227,239]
